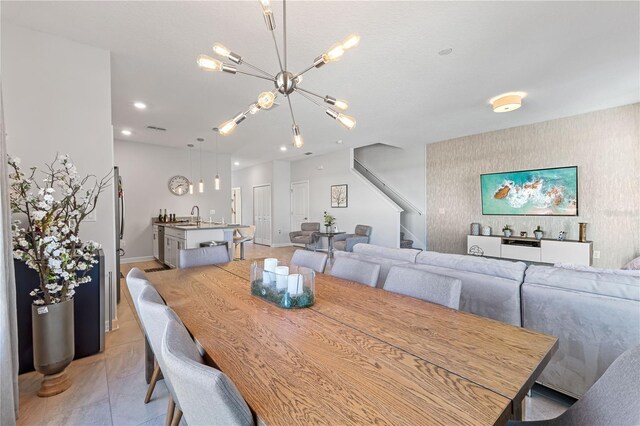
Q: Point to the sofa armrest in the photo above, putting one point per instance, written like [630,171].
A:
[352,241]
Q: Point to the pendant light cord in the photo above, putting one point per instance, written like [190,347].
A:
[284,20]
[200,160]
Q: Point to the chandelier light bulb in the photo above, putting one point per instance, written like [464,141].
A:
[334,54]
[298,142]
[207,63]
[227,128]
[352,41]
[347,121]
[190,188]
[216,182]
[220,50]
[266,99]
[253,109]
[266,6]
[201,186]
[338,103]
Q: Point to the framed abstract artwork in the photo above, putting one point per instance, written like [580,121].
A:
[339,196]
[539,192]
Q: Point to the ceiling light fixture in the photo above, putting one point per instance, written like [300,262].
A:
[507,101]
[201,183]
[190,146]
[285,82]
[445,52]
[216,180]
[236,164]
[126,132]
[283,148]
[140,105]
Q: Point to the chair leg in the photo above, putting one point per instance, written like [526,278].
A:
[242,250]
[152,385]
[170,411]
[176,417]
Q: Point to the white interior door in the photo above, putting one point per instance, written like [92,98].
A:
[236,205]
[299,204]
[262,214]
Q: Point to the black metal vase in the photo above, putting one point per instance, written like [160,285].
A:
[53,345]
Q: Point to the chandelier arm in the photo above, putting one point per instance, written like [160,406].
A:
[273,77]
[256,75]
[284,21]
[310,67]
[311,93]
[291,110]
[309,98]
[275,42]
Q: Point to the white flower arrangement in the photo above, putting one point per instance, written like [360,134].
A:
[53,211]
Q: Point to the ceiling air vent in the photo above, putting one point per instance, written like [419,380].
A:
[308,153]
[160,129]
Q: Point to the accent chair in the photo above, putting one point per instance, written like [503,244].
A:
[308,235]
[345,242]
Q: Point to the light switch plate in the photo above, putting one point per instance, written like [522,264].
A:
[212,212]
[596,254]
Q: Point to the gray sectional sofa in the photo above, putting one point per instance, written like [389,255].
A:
[594,313]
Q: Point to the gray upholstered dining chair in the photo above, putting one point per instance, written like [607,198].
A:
[356,270]
[155,316]
[308,235]
[345,242]
[424,285]
[612,400]
[207,396]
[244,236]
[309,259]
[203,256]
[136,281]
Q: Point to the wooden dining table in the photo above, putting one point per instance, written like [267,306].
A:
[358,355]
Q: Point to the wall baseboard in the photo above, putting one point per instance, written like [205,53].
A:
[281,245]
[137,259]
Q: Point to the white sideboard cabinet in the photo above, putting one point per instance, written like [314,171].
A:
[531,249]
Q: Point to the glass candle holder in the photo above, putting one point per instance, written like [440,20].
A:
[288,287]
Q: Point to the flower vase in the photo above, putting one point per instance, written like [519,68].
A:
[327,229]
[507,232]
[53,345]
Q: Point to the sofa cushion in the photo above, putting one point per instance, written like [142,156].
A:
[589,281]
[406,255]
[481,265]
[385,264]
[485,295]
[634,264]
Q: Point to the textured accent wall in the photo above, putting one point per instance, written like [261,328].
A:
[605,145]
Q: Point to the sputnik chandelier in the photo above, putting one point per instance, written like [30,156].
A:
[285,82]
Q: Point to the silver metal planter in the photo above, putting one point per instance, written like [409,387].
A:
[53,345]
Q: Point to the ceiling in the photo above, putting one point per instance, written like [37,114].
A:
[570,57]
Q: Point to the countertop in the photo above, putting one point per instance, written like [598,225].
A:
[203,225]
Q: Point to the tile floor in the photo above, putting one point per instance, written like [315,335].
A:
[109,388]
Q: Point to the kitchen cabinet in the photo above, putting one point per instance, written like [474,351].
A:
[156,248]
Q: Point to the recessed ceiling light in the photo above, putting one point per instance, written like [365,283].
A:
[200,139]
[126,132]
[507,102]
[445,52]
[339,141]
[140,105]
[283,148]
[236,163]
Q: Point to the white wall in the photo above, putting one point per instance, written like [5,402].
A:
[403,170]
[146,170]
[365,205]
[281,203]
[57,99]
[246,179]
[277,174]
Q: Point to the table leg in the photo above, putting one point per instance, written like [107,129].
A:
[519,409]
[330,246]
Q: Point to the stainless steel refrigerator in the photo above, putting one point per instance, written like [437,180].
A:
[120,216]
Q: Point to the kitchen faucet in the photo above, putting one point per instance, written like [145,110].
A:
[197,210]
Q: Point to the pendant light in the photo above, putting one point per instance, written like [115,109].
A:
[190,146]
[216,180]
[201,183]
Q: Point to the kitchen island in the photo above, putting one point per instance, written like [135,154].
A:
[169,238]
